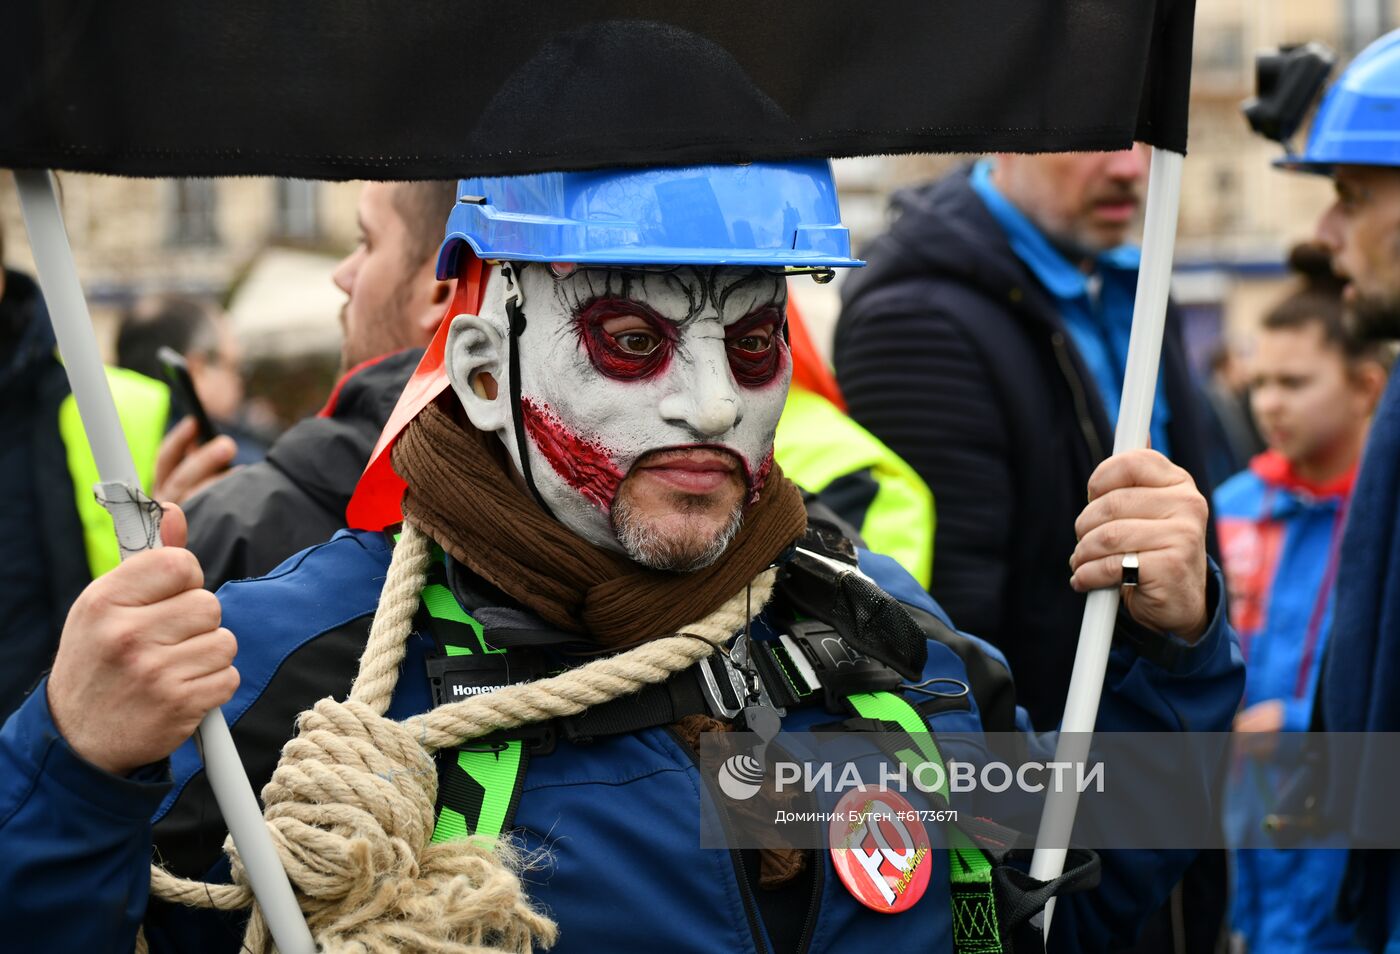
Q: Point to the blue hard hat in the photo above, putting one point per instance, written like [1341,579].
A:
[1358,122]
[782,214]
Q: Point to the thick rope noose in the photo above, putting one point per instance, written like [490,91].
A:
[351,802]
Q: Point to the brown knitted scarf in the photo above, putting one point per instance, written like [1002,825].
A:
[460,494]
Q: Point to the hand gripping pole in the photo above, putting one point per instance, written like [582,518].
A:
[1134,424]
[137,521]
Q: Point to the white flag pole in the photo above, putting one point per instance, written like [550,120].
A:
[138,528]
[1134,426]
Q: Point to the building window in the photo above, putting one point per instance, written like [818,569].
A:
[1362,22]
[194,213]
[1229,209]
[1222,50]
[298,209]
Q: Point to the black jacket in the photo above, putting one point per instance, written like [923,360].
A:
[951,352]
[46,566]
[255,518]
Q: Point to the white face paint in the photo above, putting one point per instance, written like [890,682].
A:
[650,399]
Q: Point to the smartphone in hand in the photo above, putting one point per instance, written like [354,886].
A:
[177,374]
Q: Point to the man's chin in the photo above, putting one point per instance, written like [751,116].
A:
[1375,317]
[678,541]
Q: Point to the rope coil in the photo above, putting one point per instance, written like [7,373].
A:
[351,802]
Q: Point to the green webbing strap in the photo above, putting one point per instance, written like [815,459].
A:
[480,789]
[442,606]
[975,929]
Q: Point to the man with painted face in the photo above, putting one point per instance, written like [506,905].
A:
[650,398]
[583,470]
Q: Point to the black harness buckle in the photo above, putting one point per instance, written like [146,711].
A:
[725,689]
[721,685]
[842,670]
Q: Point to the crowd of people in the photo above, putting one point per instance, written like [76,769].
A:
[576,471]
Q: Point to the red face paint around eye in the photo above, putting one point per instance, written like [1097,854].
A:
[625,356]
[584,466]
[754,361]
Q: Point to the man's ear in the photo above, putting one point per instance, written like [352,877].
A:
[441,294]
[1371,378]
[476,369]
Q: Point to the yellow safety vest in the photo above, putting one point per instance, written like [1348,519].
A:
[816,443]
[143,406]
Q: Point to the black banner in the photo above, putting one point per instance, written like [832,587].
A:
[445,88]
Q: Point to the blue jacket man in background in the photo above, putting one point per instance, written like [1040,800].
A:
[1314,387]
[985,345]
[1354,140]
[586,452]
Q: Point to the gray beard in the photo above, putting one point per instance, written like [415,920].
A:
[1077,253]
[1376,317]
[643,545]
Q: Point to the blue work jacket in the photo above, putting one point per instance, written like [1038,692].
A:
[617,820]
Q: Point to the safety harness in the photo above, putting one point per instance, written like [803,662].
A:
[813,662]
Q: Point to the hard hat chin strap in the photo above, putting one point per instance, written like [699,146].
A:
[515,314]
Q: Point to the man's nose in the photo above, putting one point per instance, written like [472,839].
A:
[344,274]
[1329,228]
[707,403]
[1129,165]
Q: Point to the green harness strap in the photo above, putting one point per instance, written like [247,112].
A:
[975,929]
[480,790]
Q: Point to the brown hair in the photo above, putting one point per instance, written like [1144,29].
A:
[424,207]
[186,324]
[1317,300]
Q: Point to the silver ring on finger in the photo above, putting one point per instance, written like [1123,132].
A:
[1130,569]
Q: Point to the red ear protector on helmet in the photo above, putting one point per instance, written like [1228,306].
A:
[378,498]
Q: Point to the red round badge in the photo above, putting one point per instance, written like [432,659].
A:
[880,849]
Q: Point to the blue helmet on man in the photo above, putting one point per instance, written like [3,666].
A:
[782,214]
[1358,122]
